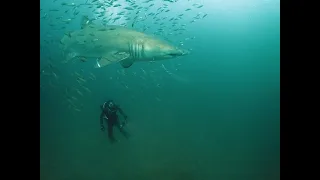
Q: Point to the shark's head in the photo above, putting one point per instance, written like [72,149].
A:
[156,49]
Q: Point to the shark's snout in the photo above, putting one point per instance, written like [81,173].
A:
[184,52]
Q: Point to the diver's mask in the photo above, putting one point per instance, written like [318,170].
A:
[111,106]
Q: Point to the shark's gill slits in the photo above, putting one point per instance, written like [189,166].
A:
[131,51]
[142,50]
[135,50]
[139,50]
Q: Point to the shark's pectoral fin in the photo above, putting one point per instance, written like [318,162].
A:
[110,58]
[101,62]
[126,63]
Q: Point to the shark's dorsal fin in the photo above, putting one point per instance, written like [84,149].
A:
[85,21]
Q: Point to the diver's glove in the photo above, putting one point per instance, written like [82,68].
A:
[123,124]
[102,128]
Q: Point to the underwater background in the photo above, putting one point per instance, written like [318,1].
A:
[212,114]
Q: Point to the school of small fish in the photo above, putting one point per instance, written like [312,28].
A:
[152,16]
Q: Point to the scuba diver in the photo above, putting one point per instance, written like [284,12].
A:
[109,113]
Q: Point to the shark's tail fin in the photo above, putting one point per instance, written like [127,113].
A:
[85,21]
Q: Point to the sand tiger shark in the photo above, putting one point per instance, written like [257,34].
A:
[112,44]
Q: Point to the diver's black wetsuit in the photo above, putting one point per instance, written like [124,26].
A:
[110,114]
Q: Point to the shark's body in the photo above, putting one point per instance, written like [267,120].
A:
[113,44]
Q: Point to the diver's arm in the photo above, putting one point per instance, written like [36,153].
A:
[101,107]
[104,110]
[101,120]
[122,113]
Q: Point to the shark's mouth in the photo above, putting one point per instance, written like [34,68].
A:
[174,54]
[177,53]
[171,55]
